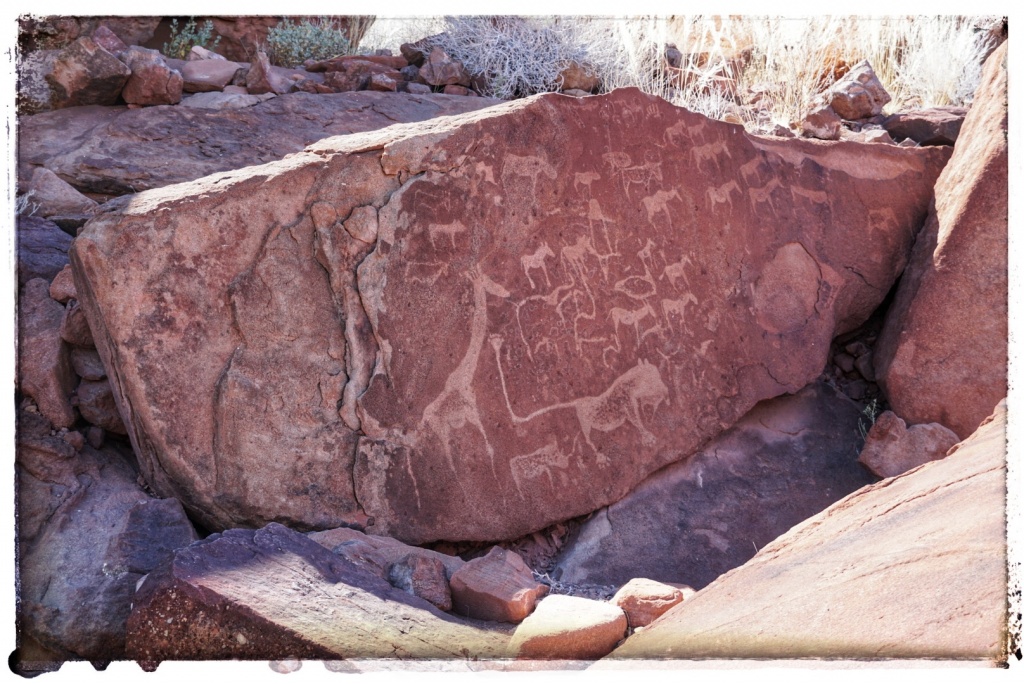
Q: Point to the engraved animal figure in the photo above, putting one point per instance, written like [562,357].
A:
[456,405]
[584,179]
[659,202]
[633,318]
[536,260]
[528,167]
[538,463]
[677,306]
[721,195]
[448,229]
[634,393]
[711,152]
[633,174]
[764,194]
[678,270]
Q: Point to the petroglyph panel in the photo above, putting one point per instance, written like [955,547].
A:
[472,328]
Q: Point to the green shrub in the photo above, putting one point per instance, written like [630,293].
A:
[289,45]
[190,36]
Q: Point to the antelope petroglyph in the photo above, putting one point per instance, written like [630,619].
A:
[536,260]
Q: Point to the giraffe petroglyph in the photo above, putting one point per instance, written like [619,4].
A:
[456,405]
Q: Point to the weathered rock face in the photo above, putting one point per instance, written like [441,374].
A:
[87,533]
[86,74]
[53,197]
[644,600]
[273,594]
[941,357]
[912,567]
[932,126]
[783,462]
[42,249]
[498,587]
[117,151]
[44,365]
[152,82]
[859,94]
[891,448]
[475,327]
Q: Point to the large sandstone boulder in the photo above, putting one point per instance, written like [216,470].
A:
[941,357]
[786,460]
[912,567]
[87,533]
[115,150]
[274,594]
[475,327]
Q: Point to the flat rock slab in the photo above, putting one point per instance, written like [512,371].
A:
[911,567]
[474,327]
[273,594]
[786,460]
[942,354]
[115,150]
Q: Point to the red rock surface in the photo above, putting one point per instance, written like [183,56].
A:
[911,567]
[891,448]
[932,126]
[475,327]
[941,357]
[498,587]
[274,594]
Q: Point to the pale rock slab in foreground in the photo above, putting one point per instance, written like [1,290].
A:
[911,567]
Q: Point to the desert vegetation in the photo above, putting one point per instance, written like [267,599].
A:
[755,70]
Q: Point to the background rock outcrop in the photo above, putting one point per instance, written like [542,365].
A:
[474,327]
[942,355]
[116,150]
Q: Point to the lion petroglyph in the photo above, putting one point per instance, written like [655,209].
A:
[637,390]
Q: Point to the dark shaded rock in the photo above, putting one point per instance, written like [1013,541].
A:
[87,533]
[118,151]
[44,364]
[786,460]
[942,354]
[74,328]
[898,569]
[86,74]
[87,364]
[274,594]
[376,553]
[42,249]
[440,70]
[422,576]
[96,404]
[933,126]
